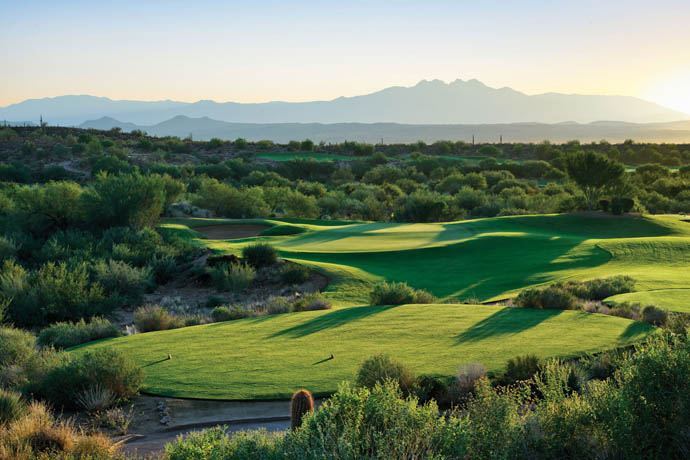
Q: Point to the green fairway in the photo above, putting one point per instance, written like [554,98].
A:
[670,299]
[484,259]
[270,357]
[285,156]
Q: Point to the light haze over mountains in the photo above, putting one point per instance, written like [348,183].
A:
[427,103]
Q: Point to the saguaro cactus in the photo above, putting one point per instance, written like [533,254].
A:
[301,403]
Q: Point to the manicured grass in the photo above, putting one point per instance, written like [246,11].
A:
[270,357]
[671,299]
[485,259]
[286,156]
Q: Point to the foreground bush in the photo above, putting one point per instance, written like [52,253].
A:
[260,255]
[37,435]
[654,315]
[393,293]
[66,335]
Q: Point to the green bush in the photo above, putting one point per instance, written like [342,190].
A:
[120,278]
[557,299]
[66,335]
[385,293]
[552,297]
[260,255]
[232,277]
[72,374]
[291,273]
[155,318]
[311,302]
[380,368]
[654,315]
[16,346]
[521,368]
[601,288]
[12,407]
[231,313]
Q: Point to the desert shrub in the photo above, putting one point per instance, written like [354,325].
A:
[283,230]
[625,310]
[468,375]
[358,423]
[72,374]
[232,277]
[654,315]
[380,369]
[301,403]
[599,289]
[521,368]
[155,318]
[291,273]
[428,387]
[277,305]
[552,297]
[260,255]
[231,313]
[215,443]
[66,335]
[163,268]
[16,346]
[311,302]
[116,419]
[528,298]
[393,293]
[678,323]
[556,298]
[37,435]
[215,143]
[95,398]
[12,407]
[120,278]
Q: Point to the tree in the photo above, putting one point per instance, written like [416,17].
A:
[593,172]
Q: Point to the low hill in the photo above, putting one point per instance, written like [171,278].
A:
[206,128]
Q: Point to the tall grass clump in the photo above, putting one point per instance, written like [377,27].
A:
[155,318]
[260,255]
[12,407]
[66,334]
[232,277]
[393,293]
[468,375]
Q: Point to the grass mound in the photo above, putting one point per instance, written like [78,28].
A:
[271,357]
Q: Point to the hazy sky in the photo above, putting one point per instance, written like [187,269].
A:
[254,51]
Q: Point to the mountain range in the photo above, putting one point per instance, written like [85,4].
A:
[428,102]
[205,128]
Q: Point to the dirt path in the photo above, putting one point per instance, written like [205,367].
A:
[231,231]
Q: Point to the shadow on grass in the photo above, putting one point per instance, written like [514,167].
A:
[504,322]
[330,320]
[156,362]
[635,329]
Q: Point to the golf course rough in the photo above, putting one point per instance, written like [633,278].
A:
[482,260]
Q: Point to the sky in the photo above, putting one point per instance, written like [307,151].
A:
[257,51]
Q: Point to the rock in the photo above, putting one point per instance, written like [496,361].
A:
[165,420]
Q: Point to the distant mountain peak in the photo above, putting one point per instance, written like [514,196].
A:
[427,102]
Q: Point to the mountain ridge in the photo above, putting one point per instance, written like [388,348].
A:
[205,128]
[427,102]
